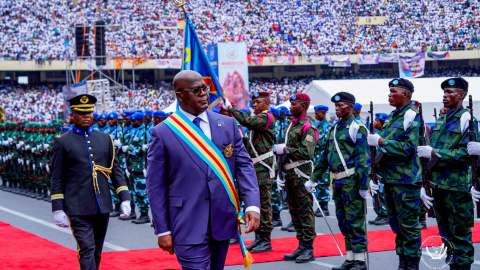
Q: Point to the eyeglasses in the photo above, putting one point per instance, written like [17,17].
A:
[205,88]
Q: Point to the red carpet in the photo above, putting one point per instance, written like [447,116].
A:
[23,250]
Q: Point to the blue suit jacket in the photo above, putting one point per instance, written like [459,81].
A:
[185,196]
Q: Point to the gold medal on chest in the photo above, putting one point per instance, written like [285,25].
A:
[228,152]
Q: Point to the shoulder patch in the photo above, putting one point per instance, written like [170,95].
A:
[309,138]
[464,119]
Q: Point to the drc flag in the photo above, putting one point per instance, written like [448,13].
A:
[194,58]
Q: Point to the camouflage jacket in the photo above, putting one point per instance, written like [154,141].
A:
[260,135]
[323,128]
[116,133]
[138,138]
[352,141]
[400,164]
[15,135]
[301,145]
[449,140]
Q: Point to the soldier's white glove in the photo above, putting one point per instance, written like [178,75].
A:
[475,195]
[144,147]
[4,142]
[127,173]
[310,185]
[280,184]
[21,143]
[28,162]
[33,149]
[226,104]
[10,140]
[126,209]
[27,147]
[145,172]
[374,188]
[279,148]
[60,219]
[45,146]
[424,151]
[47,168]
[33,166]
[124,148]
[473,148]
[116,143]
[18,146]
[426,199]
[372,139]
[19,161]
[363,193]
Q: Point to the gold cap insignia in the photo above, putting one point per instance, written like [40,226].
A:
[84,100]
[228,152]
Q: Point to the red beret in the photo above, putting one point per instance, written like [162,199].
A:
[300,97]
[260,95]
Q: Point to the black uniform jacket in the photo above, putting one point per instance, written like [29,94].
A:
[75,155]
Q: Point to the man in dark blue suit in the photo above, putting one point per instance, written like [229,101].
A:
[192,213]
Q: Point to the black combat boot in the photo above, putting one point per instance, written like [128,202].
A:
[402,262]
[46,197]
[144,218]
[318,213]
[276,220]
[324,206]
[382,221]
[33,193]
[285,228]
[293,256]
[116,212]
[423,221]
[464,267]
[347,265]
[307,254]
[413,263]
[39,194]
[359,265]
[132,213]
[265,244]
[254,243]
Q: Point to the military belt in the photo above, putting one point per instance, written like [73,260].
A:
[344,174]
[296,164]
[262,157]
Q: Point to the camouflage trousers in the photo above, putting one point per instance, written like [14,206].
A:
[140,188]
[403,210]
[382,210]
[300,205]
[113,192]
[349,208]
[455,219]
[266,225]
[276,200]
[322,190]
[130,188]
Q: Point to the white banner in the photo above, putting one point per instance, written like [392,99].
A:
[169,63]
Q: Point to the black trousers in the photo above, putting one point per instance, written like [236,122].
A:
[89,232]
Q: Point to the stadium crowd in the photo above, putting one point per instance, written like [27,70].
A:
[39,29]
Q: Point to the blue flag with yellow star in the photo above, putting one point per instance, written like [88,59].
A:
[194,58]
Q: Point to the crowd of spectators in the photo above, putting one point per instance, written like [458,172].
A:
[39,29]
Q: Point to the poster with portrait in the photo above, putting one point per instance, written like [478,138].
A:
[411,66]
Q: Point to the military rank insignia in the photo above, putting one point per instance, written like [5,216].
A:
[228,152]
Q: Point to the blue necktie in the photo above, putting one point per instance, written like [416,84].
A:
[196,121]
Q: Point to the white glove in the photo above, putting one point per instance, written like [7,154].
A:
[18,146]
[279,148]
[60,219]
[28,162]
[374,188]
[47,168]
[372,139]
[424,151]
[126,209]
[144,147]
[27,147]
[33,149]
[124,148]
[310,185]
[10,140]
[475,195]
[19,161]
[41,164]
[21,143]
[426,200]
[363,193]
[473,148]
[45,146]
[145,172]
[4,142]
[127,173]
[116,143]
[280,184]
[226,104]
[33,166]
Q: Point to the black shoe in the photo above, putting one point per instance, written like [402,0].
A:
[464,267]
[116,212]
[131,217]
[293,256]
[318,213]
[254,243]
[307,254]
[291,229]
[285,228]
[382,221]
[39,195]
[402,261]
[347,265]
[412,263]
[144,218]
[285,205]
[276,220]
[324,206]
[423,224]
[359,265]
[265,244]
[372,222]
[234,241]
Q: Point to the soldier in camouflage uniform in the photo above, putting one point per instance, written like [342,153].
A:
[275,201]
[116,133]
[299,146]
[349,166]
[259,145]
[137,151]
[158,117]
[3,154]
[322,192]
[399,169]
[452,200]
[127,127]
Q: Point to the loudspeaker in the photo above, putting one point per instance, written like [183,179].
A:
[100,51]
[82,47]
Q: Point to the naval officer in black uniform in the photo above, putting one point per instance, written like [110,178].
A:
[83,161]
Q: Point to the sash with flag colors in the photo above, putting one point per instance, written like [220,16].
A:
[194,58]
[209,153]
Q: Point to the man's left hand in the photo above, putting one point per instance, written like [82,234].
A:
[252,221]
[373,139]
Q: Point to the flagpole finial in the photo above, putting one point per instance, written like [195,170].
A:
[181,4]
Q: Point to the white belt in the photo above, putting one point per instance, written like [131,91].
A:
[344,174]
[296,164]
[262,157]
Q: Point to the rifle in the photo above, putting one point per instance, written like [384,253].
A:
[474,161]
[373,156]
[426,183]
[435,114]
[281,158]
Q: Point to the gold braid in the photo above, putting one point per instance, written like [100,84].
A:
[105,171]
